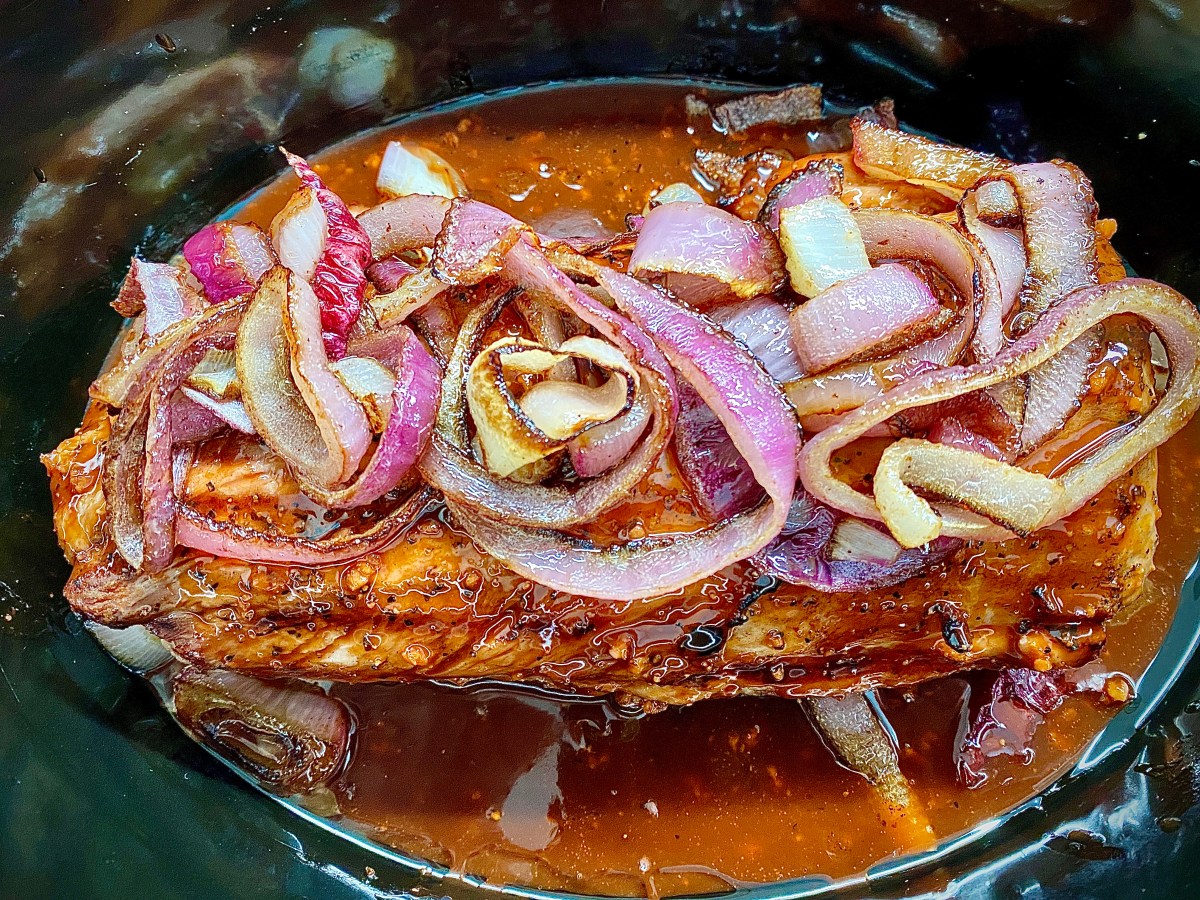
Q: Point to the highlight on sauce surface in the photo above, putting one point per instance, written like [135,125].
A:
[573,409]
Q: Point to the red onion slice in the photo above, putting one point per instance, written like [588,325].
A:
[408,168]
[1055,389]
[821,549]
[515,432]
[233,541]
[1058,210]
[759,423]
[137,469]
[229,412]
[191,421]
[863,315]
[600,448]
[450,466]
[821,178]
[761,325]
[720,480]
[159,290]
[705,255]
[406,432]
[293,738]
[297,404]
[229,259]
[898,234]
[387,274]
[338,276]
[1006,497]
[404,224]
[891,154]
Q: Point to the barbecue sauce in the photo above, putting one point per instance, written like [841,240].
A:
[521,786]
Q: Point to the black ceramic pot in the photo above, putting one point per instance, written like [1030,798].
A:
[126,125]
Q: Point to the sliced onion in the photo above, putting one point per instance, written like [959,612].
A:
[299,233]
[849,387]
[891,154]
[898,234]
[229,259]
[408,168]
[513,431]
[388,273]
[370,383]
[435,322]
[1004,246]
[298,406]
[822,243]
[192,421]
[159,290]
[759,423]
[860,740]
[997,204]
[134,647]
[1013,498]
[720,481]
[338,274]
[474,242]
[821,178]
[137,468]
[292,738]
[231,411]
[234,541]
[954,432]
[821,549]
[1055,389]
[216,375]
[1058,211]
[410,295]
[761,325]
[866,314]
[705,255]
[676,192]
[450,466]
[404,224]
[600,448]
[1005,501]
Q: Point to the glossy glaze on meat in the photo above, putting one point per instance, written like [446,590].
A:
[431,606]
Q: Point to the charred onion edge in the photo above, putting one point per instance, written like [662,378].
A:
[449,465]
[130,466]
[761,425]
[231,540]
[1169,313]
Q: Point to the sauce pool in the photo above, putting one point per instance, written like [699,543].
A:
[519,786]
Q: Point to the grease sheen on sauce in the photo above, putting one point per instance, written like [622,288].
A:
[522,787]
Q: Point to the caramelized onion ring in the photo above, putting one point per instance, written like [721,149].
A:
[1167,312]
[1058,211]
[515,432]
[889,153]
[298,406]
[234,541]
[136,473]
[760,425]
[449,465]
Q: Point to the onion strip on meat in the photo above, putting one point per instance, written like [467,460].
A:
[1023,505]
